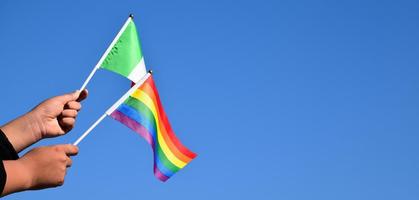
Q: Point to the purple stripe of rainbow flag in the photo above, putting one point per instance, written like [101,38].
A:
[143,113]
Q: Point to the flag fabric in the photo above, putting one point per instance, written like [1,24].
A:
[142,111]
[125,56]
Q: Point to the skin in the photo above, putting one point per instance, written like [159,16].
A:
[42,167]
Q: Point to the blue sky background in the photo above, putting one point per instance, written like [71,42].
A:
[287,100]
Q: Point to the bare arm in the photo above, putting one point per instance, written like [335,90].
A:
[17,177]
[42,167]
[51,118]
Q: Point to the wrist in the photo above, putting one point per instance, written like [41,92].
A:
[26,173]
[22,131]
[34,126]
[19,177]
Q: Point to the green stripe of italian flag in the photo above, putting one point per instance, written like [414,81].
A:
[124,55]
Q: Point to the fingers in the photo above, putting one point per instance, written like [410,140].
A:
[71,150]
[83,95]
[73,96]
[73,105]
[68,116]
[68,97]
[69,162]
[69,113]
[67,119]
[68,149]
[68,122]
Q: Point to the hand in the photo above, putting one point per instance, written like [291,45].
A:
[53,117]
[57,115]
[47,166]
[42,167]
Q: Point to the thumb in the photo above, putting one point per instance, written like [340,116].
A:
[68,149]
[68,97]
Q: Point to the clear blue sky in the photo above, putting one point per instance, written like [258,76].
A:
[287,100]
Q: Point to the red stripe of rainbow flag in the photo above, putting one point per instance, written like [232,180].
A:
[143,112]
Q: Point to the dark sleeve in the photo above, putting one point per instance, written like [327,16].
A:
[3,177]
[7,152]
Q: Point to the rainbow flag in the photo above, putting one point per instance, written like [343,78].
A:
[142,112]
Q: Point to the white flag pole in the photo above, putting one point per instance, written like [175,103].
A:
[106,52]
[114,107]
[89,129]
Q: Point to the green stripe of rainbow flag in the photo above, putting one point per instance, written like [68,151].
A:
[143,112]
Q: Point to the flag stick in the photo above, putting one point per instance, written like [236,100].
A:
[113,107]
[130,17]
[89,129]
[88,79]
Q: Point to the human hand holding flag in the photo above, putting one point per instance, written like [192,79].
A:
[51,118]
[56,116]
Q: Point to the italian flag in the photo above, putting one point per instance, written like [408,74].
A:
[124,55]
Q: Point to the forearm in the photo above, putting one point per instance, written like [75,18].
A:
[18,177]
[22,131]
